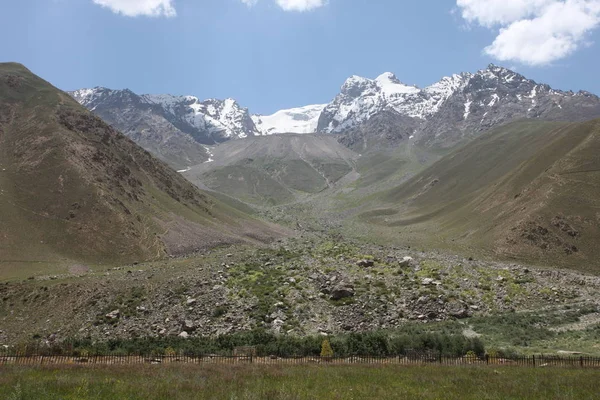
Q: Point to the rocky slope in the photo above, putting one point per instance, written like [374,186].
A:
[452,109]
[147,124]
[73,189]
[313,285]
[441,115]
[274,169]
[174,128]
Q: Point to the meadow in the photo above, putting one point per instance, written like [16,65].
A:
[298,382]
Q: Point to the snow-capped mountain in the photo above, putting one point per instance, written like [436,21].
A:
[365,112]
[455,107]
[294,120]
[209,121]
[496,96]
[148,124]
[360,99]
[217,119]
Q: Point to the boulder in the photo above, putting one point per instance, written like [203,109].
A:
[342,292]
[113,314]
[407,262]
[426,281]
[184,335]
[190,301]
[365,263]
[188,326]
[457,309]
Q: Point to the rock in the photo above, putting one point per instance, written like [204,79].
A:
[342,292]
[190,301]
[426,281]
[406,262]
[114,314]
[184,335]
[188,326]
[457,309]
[292,280]
[365,263]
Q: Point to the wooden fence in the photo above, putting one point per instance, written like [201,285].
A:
[525,361]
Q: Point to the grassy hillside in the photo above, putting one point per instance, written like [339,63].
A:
[72,189]
[275,169]
[529,191]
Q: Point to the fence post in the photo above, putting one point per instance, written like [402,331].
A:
[440,357]
[581,361]
[533,360]
[487,359]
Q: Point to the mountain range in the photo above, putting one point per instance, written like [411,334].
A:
[178,128]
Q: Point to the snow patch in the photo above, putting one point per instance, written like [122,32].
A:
[467,109]
[294,120]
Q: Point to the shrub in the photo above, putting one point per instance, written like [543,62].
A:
[326,350]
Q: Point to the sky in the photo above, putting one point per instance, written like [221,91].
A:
[275,54]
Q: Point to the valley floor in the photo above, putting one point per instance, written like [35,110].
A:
[309,286]
[302,382]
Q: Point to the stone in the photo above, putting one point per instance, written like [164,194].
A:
[426,281]
[184,335]
[190,301]
[114,314]
[365,263]
[342,292]
[406,262]
[457,309]
[188,326]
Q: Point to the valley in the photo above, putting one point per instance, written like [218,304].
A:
[484,235]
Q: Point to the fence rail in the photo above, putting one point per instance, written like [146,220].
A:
[526,361]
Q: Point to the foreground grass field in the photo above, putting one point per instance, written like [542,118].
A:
[302,382]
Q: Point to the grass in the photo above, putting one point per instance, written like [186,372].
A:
[489,197]
[299,382]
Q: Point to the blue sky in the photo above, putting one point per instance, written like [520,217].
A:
[268,56]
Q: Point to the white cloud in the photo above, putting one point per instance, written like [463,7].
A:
[134,8]
[300,5]
[293,5]
[533,32]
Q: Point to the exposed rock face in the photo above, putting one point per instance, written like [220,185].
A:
[496,96]
[147,124]
[209,121]
[367,113]
[446,112]
[174,128]
[361,99]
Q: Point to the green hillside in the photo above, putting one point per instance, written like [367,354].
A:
[72,189]
[527,191]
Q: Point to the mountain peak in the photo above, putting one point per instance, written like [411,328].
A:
[387,77]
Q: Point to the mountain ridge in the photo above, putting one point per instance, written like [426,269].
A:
[442,114]
[74,189]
